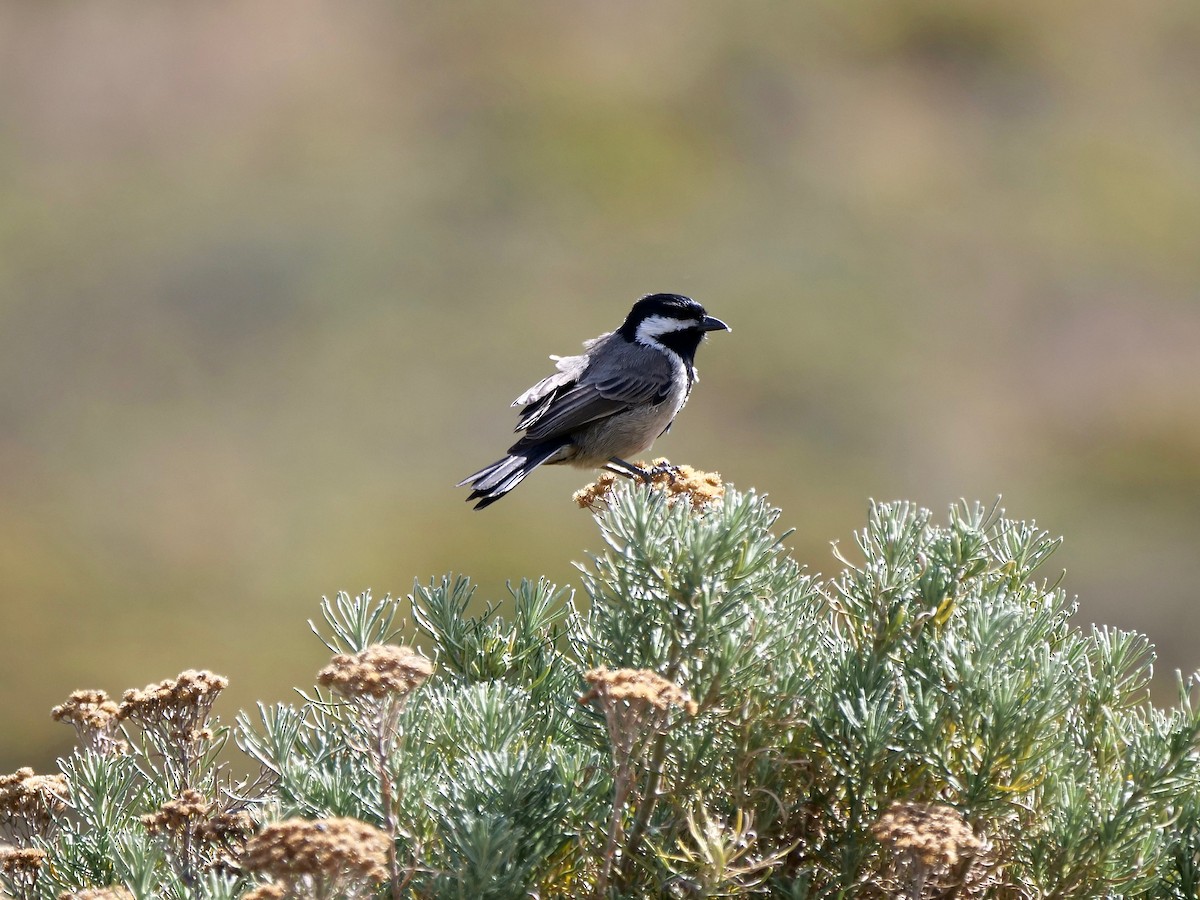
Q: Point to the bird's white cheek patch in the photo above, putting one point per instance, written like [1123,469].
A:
[655,327]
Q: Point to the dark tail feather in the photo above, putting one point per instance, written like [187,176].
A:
[493,482]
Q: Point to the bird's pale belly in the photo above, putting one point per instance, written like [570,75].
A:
[624,435]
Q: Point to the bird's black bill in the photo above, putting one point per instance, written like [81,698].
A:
[712,323]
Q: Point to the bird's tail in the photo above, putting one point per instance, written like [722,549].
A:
[493,482]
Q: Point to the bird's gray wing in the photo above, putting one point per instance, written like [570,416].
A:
[570,369]
[623,377]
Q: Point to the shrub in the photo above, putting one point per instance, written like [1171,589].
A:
[711,722]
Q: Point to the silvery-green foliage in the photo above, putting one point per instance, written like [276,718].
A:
[939,665]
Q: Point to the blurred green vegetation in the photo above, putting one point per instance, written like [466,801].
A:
[271,272]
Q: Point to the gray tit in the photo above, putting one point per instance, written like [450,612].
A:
[609,403]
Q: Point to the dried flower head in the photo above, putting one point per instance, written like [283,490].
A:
[179,815]
[113,892]
[934,834]
[21,866]
[96,720]
[336,857]
[381,670]
[223,837]
[635,703]
[266,892]
[174,718]
[189,698]
[597,494]
[29,803]
[226,828]
[635,686]
[680,483]
[927,840]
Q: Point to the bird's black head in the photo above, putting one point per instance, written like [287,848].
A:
[669,321]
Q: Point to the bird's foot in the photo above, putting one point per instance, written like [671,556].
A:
[661,467]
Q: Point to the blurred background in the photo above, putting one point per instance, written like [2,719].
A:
[271,272]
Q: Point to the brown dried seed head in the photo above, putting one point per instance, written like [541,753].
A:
[191,689]
[596,494]
[178,815]
[686,483]
[682,483]
[930,833]
[96,720]
[226,827]
[91,710]
[378,671]
[25,794]
[324,848]
[20,864]
[636,686]
[266,892]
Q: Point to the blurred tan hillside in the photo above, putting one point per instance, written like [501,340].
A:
[271,272]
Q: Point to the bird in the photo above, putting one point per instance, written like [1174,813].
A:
[610,402]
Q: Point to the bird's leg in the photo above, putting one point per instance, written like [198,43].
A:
[619,466]
[629,470]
